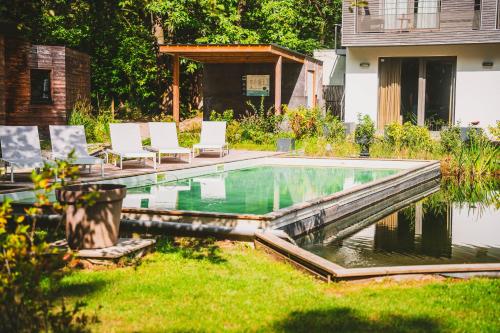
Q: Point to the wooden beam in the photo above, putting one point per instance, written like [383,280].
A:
[175,89]
[277,85]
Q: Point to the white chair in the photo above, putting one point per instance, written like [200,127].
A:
[126,143]
[213,138]
[21,148]
[65,139]
[164,140]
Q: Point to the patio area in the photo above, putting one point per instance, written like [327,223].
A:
[137,168]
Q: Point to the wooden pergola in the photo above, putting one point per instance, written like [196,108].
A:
[231,54]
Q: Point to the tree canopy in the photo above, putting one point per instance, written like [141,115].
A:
[118,36]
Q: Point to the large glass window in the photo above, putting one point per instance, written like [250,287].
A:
[40,86]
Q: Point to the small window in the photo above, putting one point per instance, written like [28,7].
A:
[40,86]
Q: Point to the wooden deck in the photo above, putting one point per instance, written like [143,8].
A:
[136,168]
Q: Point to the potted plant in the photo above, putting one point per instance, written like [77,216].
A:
[286,142]
[364,134]
[92,214]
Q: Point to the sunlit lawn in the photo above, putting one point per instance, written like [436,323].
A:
[240,289]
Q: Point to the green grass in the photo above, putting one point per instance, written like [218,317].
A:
[241,289]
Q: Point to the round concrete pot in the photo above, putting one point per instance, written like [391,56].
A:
[92,226]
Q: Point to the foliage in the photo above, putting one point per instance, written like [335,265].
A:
[365,130]
[476,158]
[450,139]
[408,136]
[304,122]
[233,128]
[125,65]
[30,269]
[495,131]
[96,126]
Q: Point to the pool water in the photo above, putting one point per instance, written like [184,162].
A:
[432,231]
[255,190]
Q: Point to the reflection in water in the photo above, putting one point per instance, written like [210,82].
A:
[257,190]
[432,231]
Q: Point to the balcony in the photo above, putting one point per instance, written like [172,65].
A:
[400,16]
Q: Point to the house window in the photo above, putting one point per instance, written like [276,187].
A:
[476,21]
[40,86]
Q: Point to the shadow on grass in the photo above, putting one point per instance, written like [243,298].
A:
[79,289]
[192,248]
[348,320]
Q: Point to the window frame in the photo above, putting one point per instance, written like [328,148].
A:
[41,101]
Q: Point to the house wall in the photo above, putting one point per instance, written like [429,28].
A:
[333,67]
[456,20]
[477,88]
[77,77]
[222,86]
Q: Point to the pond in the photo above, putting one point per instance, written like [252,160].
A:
[455,225]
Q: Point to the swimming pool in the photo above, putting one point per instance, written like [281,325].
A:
[256,190]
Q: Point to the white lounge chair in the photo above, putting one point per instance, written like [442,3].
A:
[164,140]
[126,143]
[65,139]
[21,148]
[212,187]
[213,138]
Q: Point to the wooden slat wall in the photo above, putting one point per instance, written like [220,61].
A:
[77,77]
[70,79]
[2,81]
[455,28]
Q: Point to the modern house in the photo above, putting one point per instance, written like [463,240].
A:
[428,61]
[40,84]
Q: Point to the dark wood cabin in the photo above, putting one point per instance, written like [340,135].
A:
[40,84]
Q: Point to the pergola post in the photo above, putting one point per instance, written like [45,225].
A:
[175,88]
[277,85]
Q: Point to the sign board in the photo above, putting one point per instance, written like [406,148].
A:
[256,85]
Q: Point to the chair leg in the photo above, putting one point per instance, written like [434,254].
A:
[11,174]
[102,169]
[154,162]
[159,158]
[121,162]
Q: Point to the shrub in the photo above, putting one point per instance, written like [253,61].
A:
[30,269]
[304,122]
[233,129]
[495,131]
[365,130]
[450,139]
[334,129]
[408,136]
[96,127]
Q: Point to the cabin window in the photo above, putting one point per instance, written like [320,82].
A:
[41,86]
[476,22]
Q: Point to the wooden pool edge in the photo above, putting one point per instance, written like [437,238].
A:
[329,271]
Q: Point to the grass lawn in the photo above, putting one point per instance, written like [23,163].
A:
[236,288]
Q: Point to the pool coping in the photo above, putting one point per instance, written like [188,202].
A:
[329,271]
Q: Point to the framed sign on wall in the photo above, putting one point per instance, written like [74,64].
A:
[256,85]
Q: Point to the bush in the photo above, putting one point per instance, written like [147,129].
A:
[365,130]
[450,139]
[96,127]
[408,136]
[334,129]
[495,131]
[30,269]
[233,129]
[305,122]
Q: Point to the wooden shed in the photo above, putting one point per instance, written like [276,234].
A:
[39,84]
[235,74]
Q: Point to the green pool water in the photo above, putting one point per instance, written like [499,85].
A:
[256,190]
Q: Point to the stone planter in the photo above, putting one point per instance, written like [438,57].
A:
[96,226]
[285,144]
[365,147]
